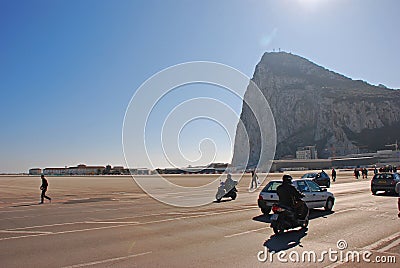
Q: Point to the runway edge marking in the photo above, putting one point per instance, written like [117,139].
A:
[130,224]
[108,260]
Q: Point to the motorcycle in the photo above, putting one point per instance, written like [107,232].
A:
[227,189]
[285,218]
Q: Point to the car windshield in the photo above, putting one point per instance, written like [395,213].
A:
[313,186]
[309,175]
[271,186]
[323,175]
[302,186]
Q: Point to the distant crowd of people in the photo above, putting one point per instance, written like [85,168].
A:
[362,171]
[388,168]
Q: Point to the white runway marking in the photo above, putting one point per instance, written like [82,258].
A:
[246,232]
[391,245]
[382,241]
[25,232]
[128,224]
[112,222]
[103,221]
[46,225]
[107,260]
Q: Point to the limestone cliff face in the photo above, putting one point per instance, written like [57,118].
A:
[314,106]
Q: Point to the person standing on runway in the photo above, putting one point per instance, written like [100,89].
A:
[254,179]
[43,187]
[333,174]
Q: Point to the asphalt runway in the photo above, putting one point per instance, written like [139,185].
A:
[110,222]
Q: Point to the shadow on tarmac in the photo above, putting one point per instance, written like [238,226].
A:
[287,240]
[223,200]
[87,200]
[26,205]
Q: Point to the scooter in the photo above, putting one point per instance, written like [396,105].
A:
[226,189]
[285,218]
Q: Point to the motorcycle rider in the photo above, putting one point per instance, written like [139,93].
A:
[289,195]
[229,183]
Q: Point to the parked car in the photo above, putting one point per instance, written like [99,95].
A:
[321,178]
[385,181]
[315,196]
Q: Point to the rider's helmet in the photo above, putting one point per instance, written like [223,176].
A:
[287,178]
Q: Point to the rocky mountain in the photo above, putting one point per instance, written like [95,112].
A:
[314,106]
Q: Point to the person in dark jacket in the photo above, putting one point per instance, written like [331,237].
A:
[289,195]
[333,174]
[43,187]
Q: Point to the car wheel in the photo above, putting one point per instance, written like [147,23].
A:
[234,196]
[329,204]
[266,210]
[373,192]
[218,200]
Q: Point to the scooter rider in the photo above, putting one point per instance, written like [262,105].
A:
[288,194]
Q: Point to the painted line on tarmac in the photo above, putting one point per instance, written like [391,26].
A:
[344,210]
[52,205]
[378,243]
[246,232]
[105,220]
[25,232]
[67,212]
[129,224]
[373,247]
[46,225]
[108,260]
[112,222]
[395,243]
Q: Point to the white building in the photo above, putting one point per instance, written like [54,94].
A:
[35,171]
[307,152]
[55,171]
[85,170]
[139,171]
[78,170]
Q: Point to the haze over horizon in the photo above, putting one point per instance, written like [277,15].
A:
[68,69]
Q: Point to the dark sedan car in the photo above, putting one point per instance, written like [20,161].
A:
[320,178]
[384,182]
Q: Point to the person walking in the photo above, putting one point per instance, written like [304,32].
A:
[44,187]
[254,179]
[333,174]
[357,173]
[375,170]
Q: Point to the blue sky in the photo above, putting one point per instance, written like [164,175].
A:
[69,68]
